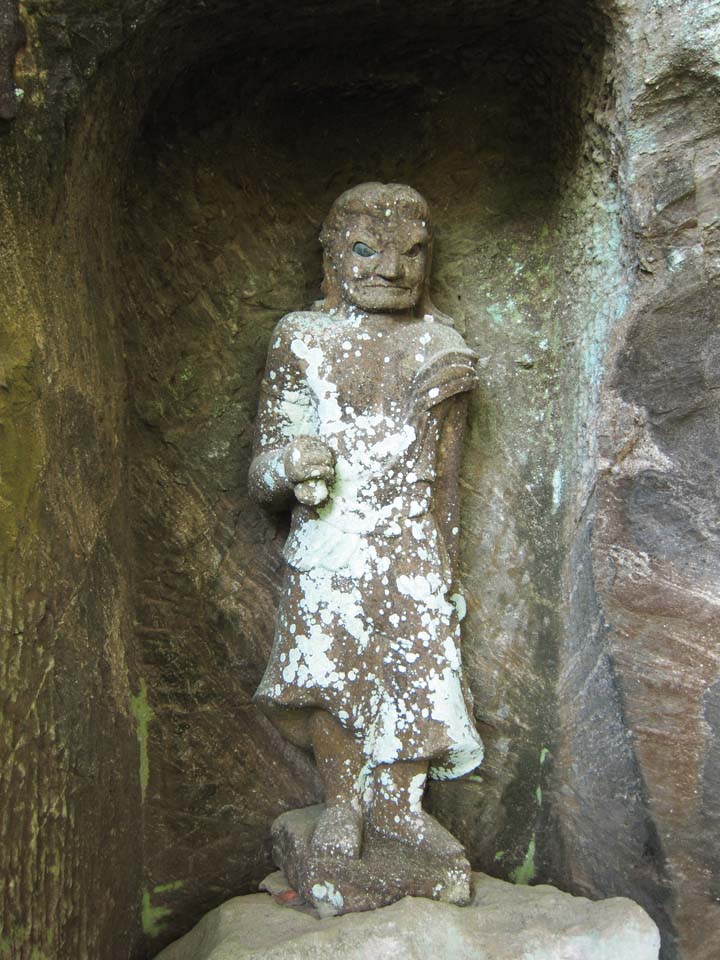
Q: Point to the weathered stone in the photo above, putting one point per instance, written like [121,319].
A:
[640,660]
[361,420]
[503,922]
[387,870]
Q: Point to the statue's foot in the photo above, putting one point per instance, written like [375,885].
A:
[420,830]
[338,832]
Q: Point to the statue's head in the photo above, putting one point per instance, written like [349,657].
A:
[376,244]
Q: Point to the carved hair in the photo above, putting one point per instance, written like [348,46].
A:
[374,199]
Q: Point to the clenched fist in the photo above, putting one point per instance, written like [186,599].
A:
[310,466]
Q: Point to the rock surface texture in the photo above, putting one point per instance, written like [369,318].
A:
[164,170]
[503,922]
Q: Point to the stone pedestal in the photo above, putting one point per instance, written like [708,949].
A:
[503,922]
[386,872]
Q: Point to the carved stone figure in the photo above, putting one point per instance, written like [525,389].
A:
[359,433]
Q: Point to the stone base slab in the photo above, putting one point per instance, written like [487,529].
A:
[386,872]
[503,922]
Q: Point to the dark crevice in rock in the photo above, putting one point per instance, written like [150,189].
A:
[12,38]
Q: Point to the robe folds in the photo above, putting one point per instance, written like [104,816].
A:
[367,628]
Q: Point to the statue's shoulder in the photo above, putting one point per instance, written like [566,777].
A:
[300,322]
[445,337]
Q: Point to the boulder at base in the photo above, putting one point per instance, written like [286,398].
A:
[503,922]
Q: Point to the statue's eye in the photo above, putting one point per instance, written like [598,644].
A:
[363,250]
[415,251]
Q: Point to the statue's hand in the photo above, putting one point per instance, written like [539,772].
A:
[310,466]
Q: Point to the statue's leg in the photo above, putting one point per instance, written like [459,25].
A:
[341,763]
[293,723]
[396,809]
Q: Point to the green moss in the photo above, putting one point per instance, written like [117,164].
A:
[15,943]
[525,873]
[167,887]
[6,945]
[153,916]
[143,714]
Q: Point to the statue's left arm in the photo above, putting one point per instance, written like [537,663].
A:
[446,499]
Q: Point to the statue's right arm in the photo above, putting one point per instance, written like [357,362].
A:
[269,484]
[287,451]
[274,428]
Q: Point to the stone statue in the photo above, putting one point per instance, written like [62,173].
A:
[359,433]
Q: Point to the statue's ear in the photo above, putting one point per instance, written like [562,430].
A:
[329,287]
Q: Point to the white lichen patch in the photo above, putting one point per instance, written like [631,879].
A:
[327,892]
[417,789]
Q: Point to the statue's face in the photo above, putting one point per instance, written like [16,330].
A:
[382,263]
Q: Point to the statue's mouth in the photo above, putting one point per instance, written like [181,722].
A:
[386,286]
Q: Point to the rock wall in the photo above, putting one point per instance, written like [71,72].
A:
[641,654]
[162,189]
[71,848]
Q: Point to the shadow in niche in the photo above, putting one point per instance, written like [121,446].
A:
[232,174]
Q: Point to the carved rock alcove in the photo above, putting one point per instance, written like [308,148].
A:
[498,118]
[163,183]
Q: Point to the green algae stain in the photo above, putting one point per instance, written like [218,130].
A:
[7,946]
[153,917]
[12,946]
[167,887]
[143,714]
[496,314]
[525,873]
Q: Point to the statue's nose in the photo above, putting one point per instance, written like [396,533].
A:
[389,266]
